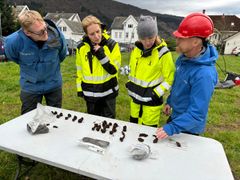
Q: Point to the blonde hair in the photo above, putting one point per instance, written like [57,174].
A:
[28,18]
[89,20]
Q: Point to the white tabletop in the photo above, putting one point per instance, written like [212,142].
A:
[199,158]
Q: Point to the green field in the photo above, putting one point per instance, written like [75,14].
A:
[223,118]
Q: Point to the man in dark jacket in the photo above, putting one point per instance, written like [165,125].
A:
[38,48]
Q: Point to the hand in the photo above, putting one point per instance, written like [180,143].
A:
[167,110]
[96,47]
[99,51]
[161,134]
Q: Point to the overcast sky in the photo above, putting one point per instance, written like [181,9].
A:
[184,7]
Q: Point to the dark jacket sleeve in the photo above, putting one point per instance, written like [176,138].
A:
[105,62]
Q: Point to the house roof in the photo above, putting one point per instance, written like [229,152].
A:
[56,16]
[76,27]
[19,8]
[119,20]
[233,36]
[226,22]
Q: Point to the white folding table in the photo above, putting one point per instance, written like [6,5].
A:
[198,158]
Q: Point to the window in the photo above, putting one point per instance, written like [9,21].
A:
[126,34]
[116,34]
[130,25]
[60,28]
[215,36]
[132,35]
[64,28]
[120,34]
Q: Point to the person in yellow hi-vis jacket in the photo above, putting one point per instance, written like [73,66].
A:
[151,74]
[98,59]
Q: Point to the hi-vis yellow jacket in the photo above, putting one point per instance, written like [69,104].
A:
[151,74]
[96,78]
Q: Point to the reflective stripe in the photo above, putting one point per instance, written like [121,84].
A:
[79,68]
[166,85]
[136,96]
[104,60]
[100,94]
[144,83]
[159,90]
[96,78]
[162,51]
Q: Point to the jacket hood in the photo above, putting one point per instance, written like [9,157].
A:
[208,57]
[148,52]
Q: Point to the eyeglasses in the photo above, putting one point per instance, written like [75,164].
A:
[41,32]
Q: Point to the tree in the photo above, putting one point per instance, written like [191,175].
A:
[8,25]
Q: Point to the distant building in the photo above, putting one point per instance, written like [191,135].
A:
[225,26]
[124,29]
[70,25]
[72,30]
[232,43]
[55,17]
[19,10]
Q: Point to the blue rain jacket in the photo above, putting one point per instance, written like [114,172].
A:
[191,92]
[39,67]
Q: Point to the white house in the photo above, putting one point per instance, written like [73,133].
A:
[123,29]
[224,27]
[71,30]
[70,25]
[231,43]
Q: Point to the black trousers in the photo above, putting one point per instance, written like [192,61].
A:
[29,100]
[103,107]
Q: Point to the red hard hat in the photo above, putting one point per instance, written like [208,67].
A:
[195,25]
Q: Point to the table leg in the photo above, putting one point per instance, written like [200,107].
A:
[23,161]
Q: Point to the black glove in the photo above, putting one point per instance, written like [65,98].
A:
[80,94]
[100,53]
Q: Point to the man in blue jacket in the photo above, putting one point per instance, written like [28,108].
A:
[195,78]
[38,48]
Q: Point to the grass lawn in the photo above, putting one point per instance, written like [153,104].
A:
[223,118]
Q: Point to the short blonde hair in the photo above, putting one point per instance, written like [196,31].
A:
[89,20]
[28,18]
